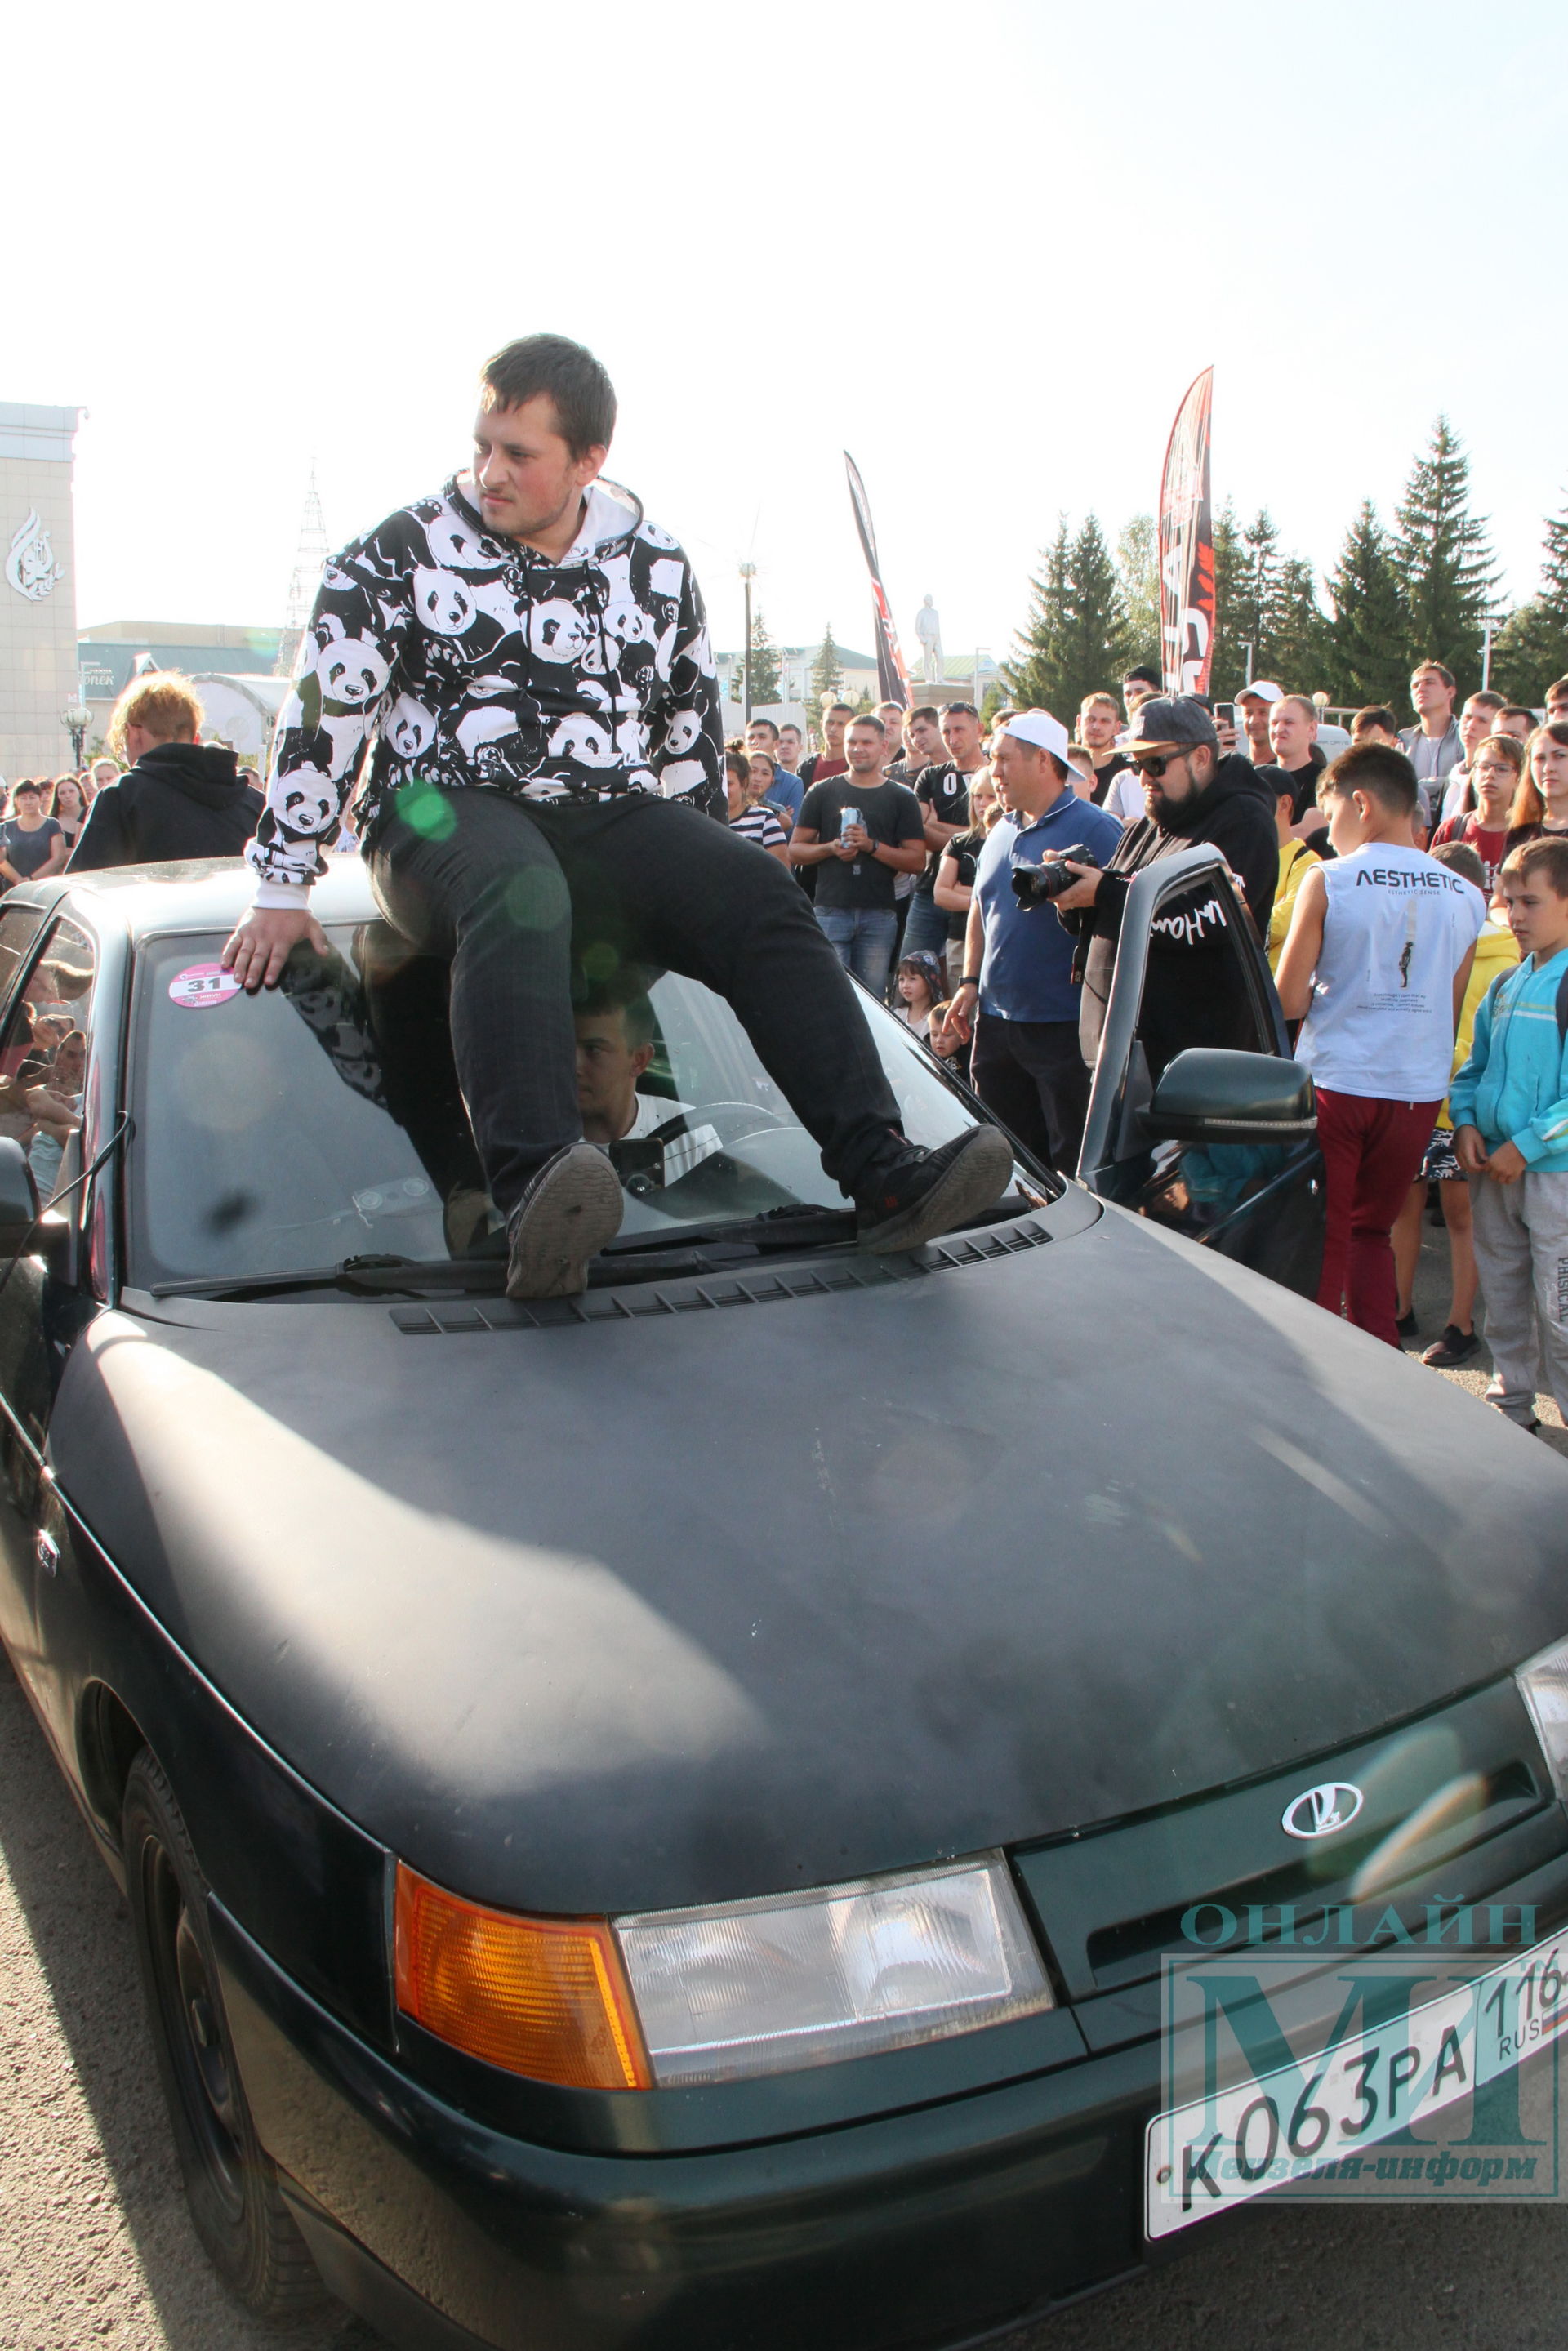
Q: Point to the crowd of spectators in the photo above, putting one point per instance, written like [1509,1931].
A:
[909,827]
[907,830]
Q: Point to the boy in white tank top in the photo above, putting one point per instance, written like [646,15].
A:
[1379,950]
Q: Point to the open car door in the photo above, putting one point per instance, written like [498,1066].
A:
[1212,1133]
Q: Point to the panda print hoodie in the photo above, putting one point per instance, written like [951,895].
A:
[476,661]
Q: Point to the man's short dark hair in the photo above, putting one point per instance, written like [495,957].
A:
[1376,714]
[1143,677]
[868,718]
[1543,856]
[1518,710]
[624,991]
[965,709]
[834,709]
[765,722]
[1460,858]
[1433,669]
[1485,700]
[1558,685]
[584,395]
[1377,769]
[926,710]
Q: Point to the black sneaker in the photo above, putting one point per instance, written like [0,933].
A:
[926,1193]
[1455,1347]
[569,1212]
[1405,1324]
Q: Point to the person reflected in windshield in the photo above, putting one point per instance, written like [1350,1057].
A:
[617,1039]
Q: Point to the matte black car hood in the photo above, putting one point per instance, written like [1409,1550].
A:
[702,1605]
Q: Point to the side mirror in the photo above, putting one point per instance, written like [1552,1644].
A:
[1209,1095]
[18,1196]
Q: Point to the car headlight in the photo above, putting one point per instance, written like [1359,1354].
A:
[1543,1685]
[794,1979]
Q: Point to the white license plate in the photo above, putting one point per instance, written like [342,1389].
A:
[1259,2131]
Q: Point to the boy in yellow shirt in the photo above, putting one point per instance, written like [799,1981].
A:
[1496,950]
[1296,862]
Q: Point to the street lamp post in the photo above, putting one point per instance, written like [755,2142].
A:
[76,718]
[747,574]
[1494,622]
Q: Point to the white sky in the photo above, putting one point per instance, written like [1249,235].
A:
[985,248]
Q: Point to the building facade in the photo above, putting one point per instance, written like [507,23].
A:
[114,652]
[37,593]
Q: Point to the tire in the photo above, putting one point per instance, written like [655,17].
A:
[230,2185]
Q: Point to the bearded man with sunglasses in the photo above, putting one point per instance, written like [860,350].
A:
[1193,793]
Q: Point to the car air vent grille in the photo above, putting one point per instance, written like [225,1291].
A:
[764,1287]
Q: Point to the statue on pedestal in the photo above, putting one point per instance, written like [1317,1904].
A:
[928,628]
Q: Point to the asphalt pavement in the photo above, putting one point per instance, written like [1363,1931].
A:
[96,2250]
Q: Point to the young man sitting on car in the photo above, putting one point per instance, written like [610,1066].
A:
[532,654]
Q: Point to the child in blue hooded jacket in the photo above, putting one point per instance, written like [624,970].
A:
[1510,1109]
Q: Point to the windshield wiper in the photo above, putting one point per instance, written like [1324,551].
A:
[365,1275]
[639,1257]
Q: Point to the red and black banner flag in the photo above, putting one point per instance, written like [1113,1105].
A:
[1186,546]
[892,678]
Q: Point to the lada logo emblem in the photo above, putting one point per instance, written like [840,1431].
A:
[1319,1812]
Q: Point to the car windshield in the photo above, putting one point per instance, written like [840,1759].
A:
[286,1132]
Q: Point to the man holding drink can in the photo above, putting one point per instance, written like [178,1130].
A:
[862,833]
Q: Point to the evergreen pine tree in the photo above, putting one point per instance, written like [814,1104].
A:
[1530,650]
[1227,669]
[1138,575]
[1294,628]
[1097,640]
[1258,589]
[827,671]
[767,685]
[1366,642]
[1445,565]
[1036,675]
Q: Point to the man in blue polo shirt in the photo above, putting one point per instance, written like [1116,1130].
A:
[1017,993]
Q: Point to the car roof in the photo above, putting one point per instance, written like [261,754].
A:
[207,893]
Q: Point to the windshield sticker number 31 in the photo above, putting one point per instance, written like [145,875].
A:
[201,986]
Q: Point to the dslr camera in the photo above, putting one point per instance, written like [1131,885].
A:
[1037,885]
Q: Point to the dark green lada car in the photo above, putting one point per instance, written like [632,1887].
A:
[658,1819]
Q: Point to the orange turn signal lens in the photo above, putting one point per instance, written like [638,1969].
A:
[544,1997]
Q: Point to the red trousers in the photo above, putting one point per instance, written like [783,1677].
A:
[1372,1152]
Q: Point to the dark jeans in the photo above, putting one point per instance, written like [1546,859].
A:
[1033,1075]
[512,890]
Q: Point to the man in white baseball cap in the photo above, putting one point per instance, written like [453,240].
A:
[1253,703]
[1017,998]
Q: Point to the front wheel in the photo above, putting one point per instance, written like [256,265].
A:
[230,2185]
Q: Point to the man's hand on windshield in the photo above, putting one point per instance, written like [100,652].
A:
[1082,892]
[263,941]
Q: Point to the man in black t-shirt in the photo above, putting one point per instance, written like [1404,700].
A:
[942,791]
[860,833]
